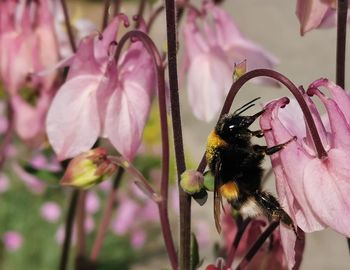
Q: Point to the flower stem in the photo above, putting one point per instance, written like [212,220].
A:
[163,203]
[68,230]
[68,26]
[105,17]
[236,86]
[80,230]
[8,136]
[257,245]
[235,243]
[185,199]
[140,12]
[153,17]
[341,42]
[106,217]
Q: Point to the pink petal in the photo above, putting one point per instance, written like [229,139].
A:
[293,247]
[310,14]
[33,184]
[209,78]
[289,171]
[330,199]
[72,122]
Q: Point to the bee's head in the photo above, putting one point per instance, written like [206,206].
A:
[232,126]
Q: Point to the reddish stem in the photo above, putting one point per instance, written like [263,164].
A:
[80,226]
[68,26]
[106,217]
[257,245]
[235,243]
[341,42]
[162,204]
[236,86]
[105,15]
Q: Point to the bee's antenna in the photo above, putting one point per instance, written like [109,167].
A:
[245,106]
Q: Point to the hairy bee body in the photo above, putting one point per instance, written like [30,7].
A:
[235,163]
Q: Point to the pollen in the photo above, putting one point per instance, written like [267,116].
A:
[229,191]
[214,142]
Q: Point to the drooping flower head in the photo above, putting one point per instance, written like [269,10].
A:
[102,98]
[314,14]
[211,52]
[313,190]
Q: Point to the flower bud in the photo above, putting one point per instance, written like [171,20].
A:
[192,181]
[88,169]
[239,70]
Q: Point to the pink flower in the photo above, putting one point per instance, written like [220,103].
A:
[210,55]
[50,211]
[12,240]
[313,191]
[27,44]
[102,98]
[314,14]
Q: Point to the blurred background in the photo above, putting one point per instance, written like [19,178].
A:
[33,207]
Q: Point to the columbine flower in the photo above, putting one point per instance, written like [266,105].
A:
[88,169]
[316,14]
[102,98]
[313,191]
[210,56]
[28,43]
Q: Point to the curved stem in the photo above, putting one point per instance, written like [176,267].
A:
[162,204]
[68,26]
[341,42]
[257,245]
[236,86]
[140,12]
[235,243]
[184,198]
[106,217]
[153,17]
[68,230]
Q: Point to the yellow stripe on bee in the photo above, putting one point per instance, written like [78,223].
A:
[214,141]
[229,191]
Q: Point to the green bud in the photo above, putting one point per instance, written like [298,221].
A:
[209,181]
[88,169]
[191,181]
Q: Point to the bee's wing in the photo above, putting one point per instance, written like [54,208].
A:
[217,196]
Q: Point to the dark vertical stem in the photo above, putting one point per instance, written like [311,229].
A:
[257,245]
[235,243]
[105,17]
[106,217]
[341,42]
[75,193]
[185,199]
[8,136]
[341,49]
[68,26]
[68,230]
[80,225]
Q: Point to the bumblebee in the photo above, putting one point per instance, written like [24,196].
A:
[235,163]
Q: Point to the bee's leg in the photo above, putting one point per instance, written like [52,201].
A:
[272,209]
[273,149]
[258,133]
